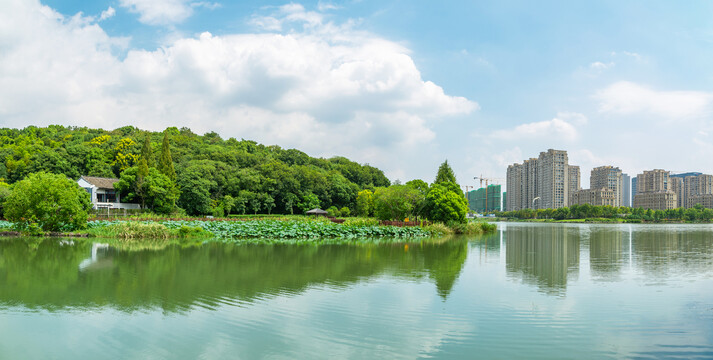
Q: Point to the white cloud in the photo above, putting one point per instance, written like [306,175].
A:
[329,92]
[107,13]
[627,98]
[558,128]
[164,12]
[600,66]
[324,6]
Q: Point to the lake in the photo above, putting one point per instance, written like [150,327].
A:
[536,291]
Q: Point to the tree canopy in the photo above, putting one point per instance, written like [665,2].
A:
[256,176]
[50,202]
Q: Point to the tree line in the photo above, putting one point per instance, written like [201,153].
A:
[176,168]
[587,211]
[179,171]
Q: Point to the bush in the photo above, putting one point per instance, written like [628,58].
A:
[333,211]
[345,211]
[360,221]
[48,201]
[4,193]
[446,203]
[192,231]
[136,230]
[471,228]
[438,229]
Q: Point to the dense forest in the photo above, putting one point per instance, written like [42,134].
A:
[201,174]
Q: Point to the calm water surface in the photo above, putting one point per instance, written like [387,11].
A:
[527,291]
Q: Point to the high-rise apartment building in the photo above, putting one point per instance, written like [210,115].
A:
[574,179]
[676,185]
[553,184]
[539,183]
[605,188]
[608,177]
[652,181]
[634,183]
[601,196]
[626,184]
[696,186]
[514,187]
[654,191]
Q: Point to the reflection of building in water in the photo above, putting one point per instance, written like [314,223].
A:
[606,253]
[665,252]
[542,255]
[99,260]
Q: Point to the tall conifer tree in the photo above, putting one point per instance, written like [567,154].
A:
[445,174]
[146,152]
[165,162]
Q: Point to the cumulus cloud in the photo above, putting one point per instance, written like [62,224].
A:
[560,128]
[328,92]
[110,12]
[627,98]
[164,12]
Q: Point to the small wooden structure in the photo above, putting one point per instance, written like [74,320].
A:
[317,212]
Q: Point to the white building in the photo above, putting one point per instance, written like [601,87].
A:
[103,194]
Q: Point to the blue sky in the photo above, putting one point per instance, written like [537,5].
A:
[401,85]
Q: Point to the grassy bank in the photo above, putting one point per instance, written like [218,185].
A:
[286,227]
[130,230]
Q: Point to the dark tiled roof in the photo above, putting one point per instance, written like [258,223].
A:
[100,182]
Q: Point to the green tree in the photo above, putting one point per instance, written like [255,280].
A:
[445,202]
[228,203]
[4,193]
[146,152]
[445,174]
[255,204]
[396,202]
[365,203]
[160,193]
[290,200]
[140,185]
[419,185]
[195,184]
[309,202]
[165,162]
[268,203]
[333,211]
[50,201]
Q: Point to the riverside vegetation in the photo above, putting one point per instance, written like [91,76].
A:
[593,213]
[211,176]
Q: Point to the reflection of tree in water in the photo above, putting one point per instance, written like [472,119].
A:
[542,255]
[669,251]
[606,253]
[46,274]
[444,263]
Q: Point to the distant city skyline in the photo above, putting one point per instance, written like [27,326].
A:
[399,85]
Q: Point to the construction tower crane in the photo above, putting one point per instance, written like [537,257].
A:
[487,180]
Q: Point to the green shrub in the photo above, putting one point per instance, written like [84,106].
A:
[136,230]
[360,221]
[192,231]
[438,229]
[333,211]
[345,211]
[49,201]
